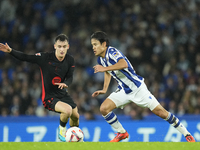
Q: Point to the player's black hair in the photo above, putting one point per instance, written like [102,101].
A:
[62,37]
[101,37]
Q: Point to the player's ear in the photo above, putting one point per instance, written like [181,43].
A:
[54,46]
[104,43]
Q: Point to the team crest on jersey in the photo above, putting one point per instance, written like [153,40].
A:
[116,55]
[38,54]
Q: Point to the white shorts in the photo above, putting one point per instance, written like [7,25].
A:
[142,97]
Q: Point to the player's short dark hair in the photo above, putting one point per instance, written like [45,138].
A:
[101,37]
[62,37]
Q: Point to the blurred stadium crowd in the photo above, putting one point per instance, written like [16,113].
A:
[160,38]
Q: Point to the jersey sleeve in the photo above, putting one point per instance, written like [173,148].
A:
[69,75]
[115,55]
[36,58]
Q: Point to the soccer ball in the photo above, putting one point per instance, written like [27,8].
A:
[74,134]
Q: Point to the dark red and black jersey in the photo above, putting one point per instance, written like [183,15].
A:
[52,71]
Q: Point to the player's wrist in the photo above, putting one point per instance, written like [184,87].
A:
[104,91]
[9,50]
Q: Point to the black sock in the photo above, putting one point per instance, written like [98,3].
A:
[63,124]
[75,126]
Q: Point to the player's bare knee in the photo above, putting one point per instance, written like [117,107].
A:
[104,110]
[75,117]
[68,112]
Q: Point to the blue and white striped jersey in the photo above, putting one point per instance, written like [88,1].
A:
[127,78]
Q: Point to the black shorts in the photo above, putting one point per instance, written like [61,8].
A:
[51,102]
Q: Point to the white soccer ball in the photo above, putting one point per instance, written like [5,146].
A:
[74,134]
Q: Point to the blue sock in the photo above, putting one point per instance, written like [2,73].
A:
[111,118]
[173,120]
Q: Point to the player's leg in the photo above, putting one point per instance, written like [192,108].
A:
[74,119]
[106,110]
[174,121]
[65,111]
[145,99]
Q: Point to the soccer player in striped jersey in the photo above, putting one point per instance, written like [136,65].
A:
[131,88]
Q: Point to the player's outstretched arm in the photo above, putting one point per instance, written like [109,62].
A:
[20,55]
[5,48]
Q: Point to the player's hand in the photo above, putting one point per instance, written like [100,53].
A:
[99,68]
[98,92]
[61,85]
[5,48]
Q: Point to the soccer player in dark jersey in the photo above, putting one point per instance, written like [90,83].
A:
[57,69]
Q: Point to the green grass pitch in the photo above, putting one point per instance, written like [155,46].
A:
[99,146]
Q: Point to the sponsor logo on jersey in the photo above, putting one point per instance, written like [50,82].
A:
[116,55]
[38,54]
[56,80]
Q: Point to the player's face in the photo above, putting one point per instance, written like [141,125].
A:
[61,48]
[98,48]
